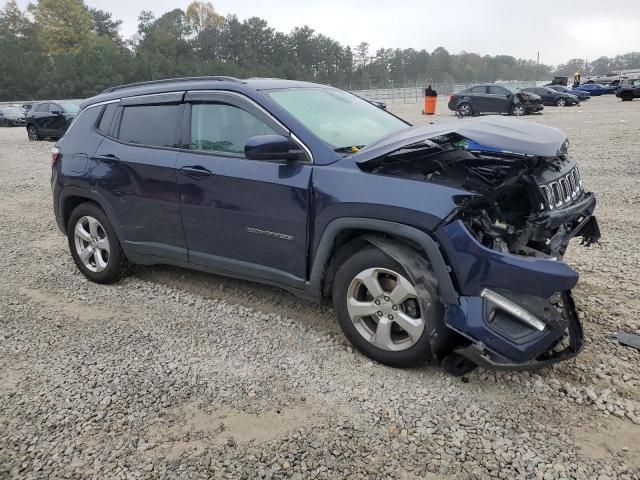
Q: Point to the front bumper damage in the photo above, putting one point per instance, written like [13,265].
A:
[515,312]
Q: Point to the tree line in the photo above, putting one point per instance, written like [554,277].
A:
[65,49]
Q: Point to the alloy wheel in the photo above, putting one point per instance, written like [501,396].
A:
[464,109]
[561,102]
[92,244]
[383,306]
[32,133]
[518,110]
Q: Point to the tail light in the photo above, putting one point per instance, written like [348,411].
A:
[55,155]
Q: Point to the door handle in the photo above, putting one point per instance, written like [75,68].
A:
[107,158]
[197,172]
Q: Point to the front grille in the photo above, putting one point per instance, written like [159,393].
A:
[563,191]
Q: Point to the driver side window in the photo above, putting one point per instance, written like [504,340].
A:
[223,128]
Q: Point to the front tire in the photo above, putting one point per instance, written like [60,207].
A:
[94,245]
[518,110]
[378,310]
[626,96]
[561,102]
[464,110]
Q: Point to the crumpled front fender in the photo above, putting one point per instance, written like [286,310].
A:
[476,267]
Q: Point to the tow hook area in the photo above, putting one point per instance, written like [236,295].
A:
[457,365]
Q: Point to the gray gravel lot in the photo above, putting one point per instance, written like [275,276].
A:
[176,374]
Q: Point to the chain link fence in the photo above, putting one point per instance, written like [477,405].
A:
[414,94]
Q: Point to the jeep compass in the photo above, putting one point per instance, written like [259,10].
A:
[440,243]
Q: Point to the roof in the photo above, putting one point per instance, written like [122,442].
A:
[196,83]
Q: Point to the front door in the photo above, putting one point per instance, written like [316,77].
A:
[57,119]
[498,98]
[242,216]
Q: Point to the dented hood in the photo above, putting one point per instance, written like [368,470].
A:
[495,132]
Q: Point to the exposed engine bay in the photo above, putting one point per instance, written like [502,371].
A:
[522,204]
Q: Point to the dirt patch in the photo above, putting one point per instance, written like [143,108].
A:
[611,439]
[192,429]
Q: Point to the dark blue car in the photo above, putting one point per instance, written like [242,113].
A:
[594,89]
[439,243]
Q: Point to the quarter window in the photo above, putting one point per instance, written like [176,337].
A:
[154,125]
[479,90]
[223,128]
[43,107]
[107,117]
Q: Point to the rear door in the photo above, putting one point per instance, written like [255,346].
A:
[243,216]
[135,170]
[478,98]
[40,116]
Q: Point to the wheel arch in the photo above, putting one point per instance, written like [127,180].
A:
[345,235]
[71,197]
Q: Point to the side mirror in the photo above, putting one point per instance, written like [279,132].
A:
[275,148]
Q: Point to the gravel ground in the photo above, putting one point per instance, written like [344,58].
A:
[175,374]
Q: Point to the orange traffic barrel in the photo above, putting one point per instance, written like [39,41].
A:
[430,105]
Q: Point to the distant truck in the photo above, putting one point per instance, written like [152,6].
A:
[560,81]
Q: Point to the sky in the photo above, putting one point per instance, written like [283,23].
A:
[559,30]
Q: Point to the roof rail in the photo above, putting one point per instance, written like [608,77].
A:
[171,80]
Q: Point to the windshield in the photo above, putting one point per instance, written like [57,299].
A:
[70,107]
[340,119]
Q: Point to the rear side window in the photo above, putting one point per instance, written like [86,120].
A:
[223,128]
[43,107]
[479,90]
[497,91]
[107,117]
[154,125]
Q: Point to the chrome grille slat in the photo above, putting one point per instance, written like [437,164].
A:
[563,190]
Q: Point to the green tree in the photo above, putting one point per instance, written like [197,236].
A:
[105,26]
[62,25]
[202,15]
[21,60]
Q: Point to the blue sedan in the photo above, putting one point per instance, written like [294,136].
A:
[594,89]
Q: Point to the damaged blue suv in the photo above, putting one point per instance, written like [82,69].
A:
[440,243]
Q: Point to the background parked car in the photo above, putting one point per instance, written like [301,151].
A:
[11,117]
[492,98]
[595,89]
[50,119]
[629,89]
[553,97]
[582,95]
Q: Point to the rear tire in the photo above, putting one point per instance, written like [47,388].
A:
[33,134]
[94,245]
[626,96]
[377,309]
[561,102]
